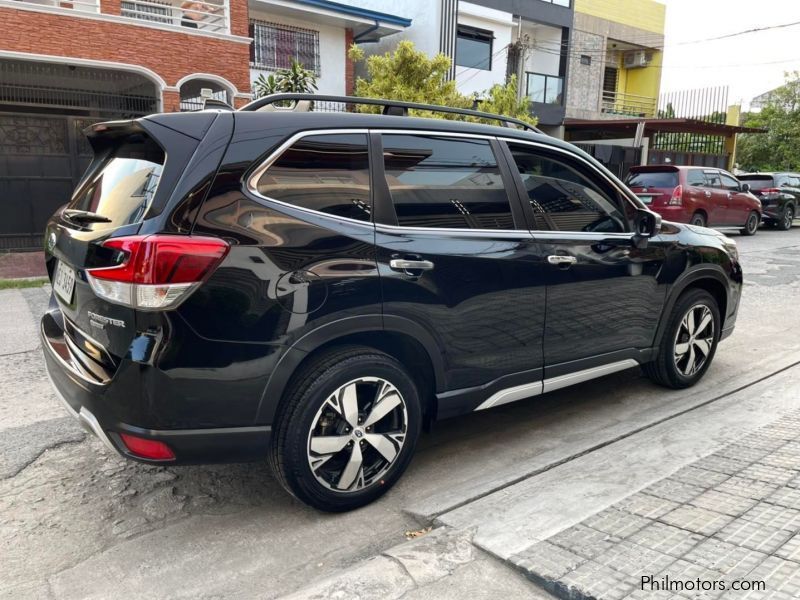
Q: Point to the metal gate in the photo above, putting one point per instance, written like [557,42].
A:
[42,157]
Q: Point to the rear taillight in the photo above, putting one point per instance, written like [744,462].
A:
[770,193]
[144,448]
[157,271]
[677,196]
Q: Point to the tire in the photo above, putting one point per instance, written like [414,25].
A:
[319,405]
[787,218]
[751,226]
[698,219]
[667,369]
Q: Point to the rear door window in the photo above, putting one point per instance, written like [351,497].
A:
[445,182]
[123,187]
[653,179]
[712,179]
[325,173]
[695,177]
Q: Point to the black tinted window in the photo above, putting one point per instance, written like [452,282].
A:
[327,173]
[695,177]
[445,182]
[474,48]
[562,197]
[656,179]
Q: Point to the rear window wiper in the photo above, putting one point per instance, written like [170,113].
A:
[85,216]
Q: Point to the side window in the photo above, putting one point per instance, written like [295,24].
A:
[729,183]
[445,182]
[712,179]
[695,178]
[326,173]
[562,197]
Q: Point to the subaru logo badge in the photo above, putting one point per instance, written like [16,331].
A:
[51,241]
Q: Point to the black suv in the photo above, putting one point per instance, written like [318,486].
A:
[315,288]
[779,194]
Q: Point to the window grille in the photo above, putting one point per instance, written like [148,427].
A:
[275,46]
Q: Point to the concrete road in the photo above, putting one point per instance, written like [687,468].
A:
[76,522]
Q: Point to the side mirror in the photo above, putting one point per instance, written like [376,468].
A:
[647,224]
[745,187]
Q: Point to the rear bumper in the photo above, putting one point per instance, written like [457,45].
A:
[677,214]
[90,403]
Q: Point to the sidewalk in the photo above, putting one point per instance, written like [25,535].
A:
[733,515]
[14,265]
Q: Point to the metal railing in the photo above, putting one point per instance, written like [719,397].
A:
[629,105]
[202,15]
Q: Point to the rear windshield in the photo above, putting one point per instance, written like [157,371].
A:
[124,185]
[654,179]
[757,182]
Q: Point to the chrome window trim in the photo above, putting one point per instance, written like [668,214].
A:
[627,194]
[252,180]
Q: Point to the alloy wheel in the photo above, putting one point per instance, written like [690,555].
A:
[752,223]
[788,217]
[357,434]
[694,340]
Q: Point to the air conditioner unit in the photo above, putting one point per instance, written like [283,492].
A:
[636,59]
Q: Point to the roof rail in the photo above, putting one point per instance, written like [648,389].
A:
[390,107]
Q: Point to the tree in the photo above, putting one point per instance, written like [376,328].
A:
[409,75]
[779,148]
[295,79]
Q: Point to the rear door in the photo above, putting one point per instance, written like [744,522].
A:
[129,178]
[603,294]
[718,201]
[455,256]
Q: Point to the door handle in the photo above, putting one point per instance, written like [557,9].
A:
[564,261]
[407,265]
[707,193]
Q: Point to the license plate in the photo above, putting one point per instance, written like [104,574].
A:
[64,282]
[646,199]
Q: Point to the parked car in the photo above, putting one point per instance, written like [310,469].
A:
[698,195]
[315,288]
[779,194]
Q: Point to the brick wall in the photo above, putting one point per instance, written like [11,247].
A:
[171,54]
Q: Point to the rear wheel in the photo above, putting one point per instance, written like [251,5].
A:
[698,219]
[348,429]
[689,341]
[785,222]
[751,226]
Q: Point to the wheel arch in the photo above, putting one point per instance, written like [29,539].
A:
[401,338]
[709,278]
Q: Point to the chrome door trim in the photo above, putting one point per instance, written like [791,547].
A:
[512,394]
[562,381]
[535,388]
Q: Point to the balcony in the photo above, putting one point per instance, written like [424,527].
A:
[629,105]
[208,16]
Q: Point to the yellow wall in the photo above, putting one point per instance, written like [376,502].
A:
[645,81]
[644,14]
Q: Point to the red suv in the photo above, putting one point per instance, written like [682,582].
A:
[698,195]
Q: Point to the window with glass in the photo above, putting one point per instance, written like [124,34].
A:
[276,46]
[695,178]
[562,197]
[558,2]
[326,173]
[729,183]
[712,179]
[437,181]
[474,47]
[546,89]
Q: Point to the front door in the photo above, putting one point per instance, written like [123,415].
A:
[603,294]
[455,257]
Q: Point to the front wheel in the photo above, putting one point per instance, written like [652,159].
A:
[689,341]
[787,218]
[751,226]
[348,429]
